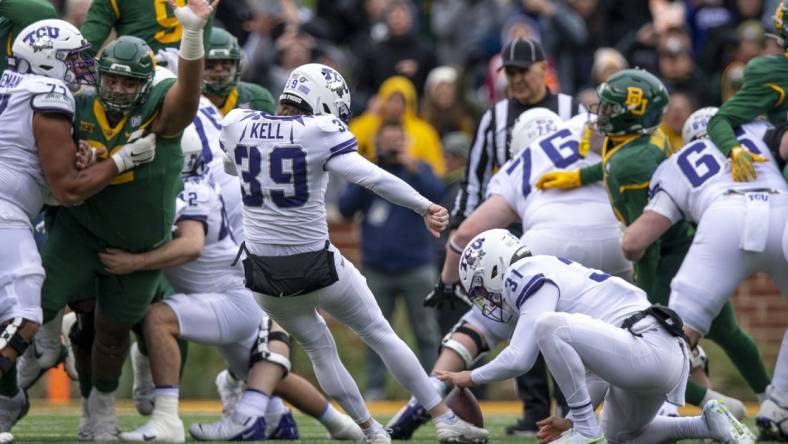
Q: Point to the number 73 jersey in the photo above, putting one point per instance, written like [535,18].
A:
[515,182]
[281,164]
[698,174]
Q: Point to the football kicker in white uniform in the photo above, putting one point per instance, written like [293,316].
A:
[742,228]
[577,224]
[39,160]
[283,162]
[601,339]
[212,307]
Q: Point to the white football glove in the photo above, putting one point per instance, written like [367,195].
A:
[189,19]
[138,151]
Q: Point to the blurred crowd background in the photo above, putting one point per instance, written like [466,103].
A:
[421,73]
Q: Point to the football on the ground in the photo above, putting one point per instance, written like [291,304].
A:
[465,405]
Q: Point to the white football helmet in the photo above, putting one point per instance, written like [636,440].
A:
[531,125]
[318,89]
[482,266]
[697,123]
[191,146]
[53,48]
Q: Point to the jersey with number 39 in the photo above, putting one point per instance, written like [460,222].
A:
[698,174]
[22,181]
[516,180]
[281,163]
[212,271]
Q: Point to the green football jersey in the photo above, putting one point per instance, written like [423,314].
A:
[136,211]
[248,96]
[762,93]
[150,20]
[15,15]
[626,169]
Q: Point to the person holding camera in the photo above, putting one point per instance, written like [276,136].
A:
[398,252]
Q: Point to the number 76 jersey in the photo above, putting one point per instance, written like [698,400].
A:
[281,162]
[516,182]
[698,174]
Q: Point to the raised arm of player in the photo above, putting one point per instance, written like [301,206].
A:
[182,100]
[98,24]
[355,168]
[186,246]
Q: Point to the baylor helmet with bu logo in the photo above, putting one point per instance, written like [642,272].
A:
[630,101]
[127,56]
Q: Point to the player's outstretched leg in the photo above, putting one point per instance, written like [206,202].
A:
[460,348]
[352,303]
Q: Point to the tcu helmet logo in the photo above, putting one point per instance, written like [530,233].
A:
[41,38]
[473,255]
[333,82]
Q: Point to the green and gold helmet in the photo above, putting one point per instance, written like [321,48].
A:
[631,101]
[223,46]
[781,23]
[127,56]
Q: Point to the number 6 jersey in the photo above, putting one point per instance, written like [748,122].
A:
[688,182]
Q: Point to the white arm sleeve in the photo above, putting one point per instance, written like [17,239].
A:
[355,168]
[519,356]
[663,204]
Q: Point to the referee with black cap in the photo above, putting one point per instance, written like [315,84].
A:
[524,64]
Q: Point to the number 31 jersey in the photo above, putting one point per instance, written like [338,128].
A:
[22,181]
[699,173]
[281,165]
[515,182]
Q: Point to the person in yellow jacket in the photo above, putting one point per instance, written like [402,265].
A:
[396,100]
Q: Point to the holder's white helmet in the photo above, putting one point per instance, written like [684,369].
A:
[697,123]
[53,48]
[531,125]
[191,146]
[318,89]
[482,266]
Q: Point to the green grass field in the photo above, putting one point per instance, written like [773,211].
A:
[60,425]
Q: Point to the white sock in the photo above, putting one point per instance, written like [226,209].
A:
[165,405]
[669,429]
[373,429]
[169,391]
[274,411]
[253,403]
[585,421]
[330,415]
[449,417]
[440,386]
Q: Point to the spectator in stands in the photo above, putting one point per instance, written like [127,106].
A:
[679,108]
[398,253]
[607,61]
[565,38]
[76,11]
[443,106]
[396,102]
[677,68]
[402,53]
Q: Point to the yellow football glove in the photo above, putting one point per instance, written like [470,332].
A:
[741,164]
[585,141]
[559,179]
